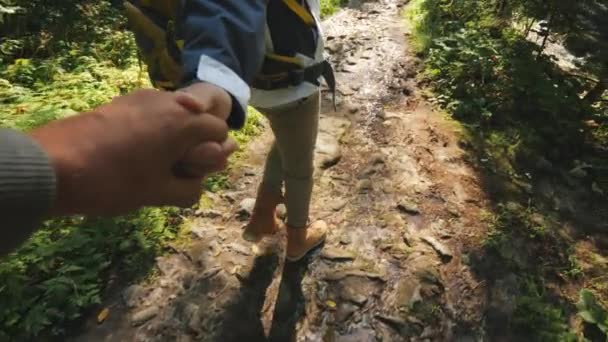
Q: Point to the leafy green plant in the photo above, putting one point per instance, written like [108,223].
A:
[63,269]
[329,7]
[592,312]
[7,8]
[518,105]
[574,270]
[253,126]
[488,75]
[32,102]
[496,79]
[537,317]
[526,244]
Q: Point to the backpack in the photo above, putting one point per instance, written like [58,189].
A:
[292,32]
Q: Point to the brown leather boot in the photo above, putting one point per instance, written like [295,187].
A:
[264,220]
[300,241]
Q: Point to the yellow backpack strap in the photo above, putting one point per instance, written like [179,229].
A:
[170,8]
[158,57]
[301,11]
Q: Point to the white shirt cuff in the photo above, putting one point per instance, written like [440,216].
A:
[216,73]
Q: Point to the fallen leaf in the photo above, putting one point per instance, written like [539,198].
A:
[235,269]
[103,315]
[331,304]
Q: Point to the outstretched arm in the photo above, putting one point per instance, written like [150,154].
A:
[218,42]
[224,44]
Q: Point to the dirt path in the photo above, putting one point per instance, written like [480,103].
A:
[402,203]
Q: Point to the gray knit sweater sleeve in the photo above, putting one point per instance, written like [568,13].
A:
[27,188]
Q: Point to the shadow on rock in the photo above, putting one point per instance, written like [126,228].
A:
[289,309]
[242,319]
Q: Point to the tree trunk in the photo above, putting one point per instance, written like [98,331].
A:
[529,27]
[546,37]
[543,45]
[501,8]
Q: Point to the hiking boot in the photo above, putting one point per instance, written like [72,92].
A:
[300,241]
[264,220]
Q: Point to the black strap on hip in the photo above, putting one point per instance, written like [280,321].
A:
[296,77]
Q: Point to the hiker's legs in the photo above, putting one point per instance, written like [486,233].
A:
[295,127]
[272,181]
[263,219]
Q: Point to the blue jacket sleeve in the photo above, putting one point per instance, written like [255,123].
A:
[224,44]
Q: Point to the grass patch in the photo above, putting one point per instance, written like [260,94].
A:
[537,317]
[416,15]
[63,269]
[64,92]
[526,240]
[529,248]
[488,76]
[253,127]
[329,7]
[524,121]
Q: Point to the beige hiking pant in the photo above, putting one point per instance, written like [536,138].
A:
[290,160]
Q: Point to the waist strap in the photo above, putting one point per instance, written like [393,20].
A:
[296,77]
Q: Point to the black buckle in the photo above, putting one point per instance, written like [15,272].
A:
[263,84]
[296,77]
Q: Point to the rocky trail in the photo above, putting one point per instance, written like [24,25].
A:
[402,202]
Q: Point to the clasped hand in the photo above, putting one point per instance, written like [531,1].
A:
[147,148]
